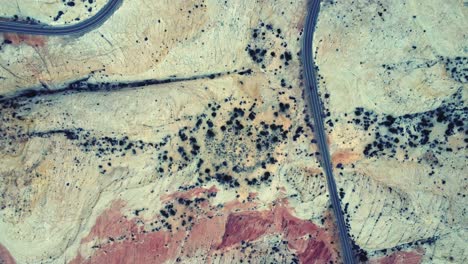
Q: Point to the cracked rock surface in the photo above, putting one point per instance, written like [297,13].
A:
[154,139]
[178,132]
[51,12]
[393,79]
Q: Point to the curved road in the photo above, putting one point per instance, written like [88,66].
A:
[311,84]
[82,27]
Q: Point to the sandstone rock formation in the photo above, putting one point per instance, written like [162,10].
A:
[393,75]
[178,132]
[51,12]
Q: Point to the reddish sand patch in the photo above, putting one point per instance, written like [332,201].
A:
[111,223]
[156,247]
[401,257]
[345,157]
[205,235]
[216,230]
[311,243]
[5,256]
[246,226]
[31,40]
[236,205]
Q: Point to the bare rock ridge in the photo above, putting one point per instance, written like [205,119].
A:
[178,132]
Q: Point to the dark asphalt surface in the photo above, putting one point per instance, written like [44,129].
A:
[79,28]
[317,112]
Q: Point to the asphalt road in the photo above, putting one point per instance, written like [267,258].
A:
[79,28]
[317,112]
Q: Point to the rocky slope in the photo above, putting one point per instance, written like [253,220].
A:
[178,132]
[182,132]
[393,75]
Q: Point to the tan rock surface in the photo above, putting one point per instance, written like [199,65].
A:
[52,12]
[217,162]
[394,82]
[84,169]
